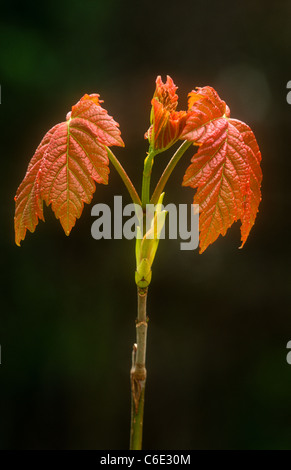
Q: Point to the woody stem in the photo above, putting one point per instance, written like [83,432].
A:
[138,372]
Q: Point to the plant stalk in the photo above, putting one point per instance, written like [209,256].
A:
[124,176]
[138,372]
[168,170]
[146,178]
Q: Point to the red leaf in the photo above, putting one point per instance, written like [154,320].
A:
[62,171]
[167,124]
[29,205]
[226,169]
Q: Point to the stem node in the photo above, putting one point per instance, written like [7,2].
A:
[138,372]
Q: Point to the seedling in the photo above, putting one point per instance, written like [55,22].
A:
[75,154]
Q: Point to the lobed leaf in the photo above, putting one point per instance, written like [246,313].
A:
[226,169]
[70,159]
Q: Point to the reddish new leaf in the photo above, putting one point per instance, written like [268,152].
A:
[29,205]
[62,172]
[167,124]
[225,170]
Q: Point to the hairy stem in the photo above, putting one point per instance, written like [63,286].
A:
[124,176]
[168,170]
[138,372]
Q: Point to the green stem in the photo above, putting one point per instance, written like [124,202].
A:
[138,372]
[146,178]
[168,170]
[124,176]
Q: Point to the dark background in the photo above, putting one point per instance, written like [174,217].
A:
[219,322]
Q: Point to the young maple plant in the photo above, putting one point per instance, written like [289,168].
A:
[224,170]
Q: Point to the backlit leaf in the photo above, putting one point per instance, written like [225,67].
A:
[63,171]
[29,204]
[225,170]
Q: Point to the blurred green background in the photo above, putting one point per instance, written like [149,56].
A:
[219,322]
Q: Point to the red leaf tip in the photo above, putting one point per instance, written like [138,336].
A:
[94,97]
[166,93]
[167,124]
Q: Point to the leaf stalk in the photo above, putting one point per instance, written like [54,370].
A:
[168,171]
[124,176]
